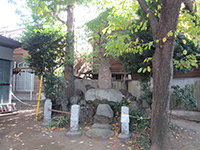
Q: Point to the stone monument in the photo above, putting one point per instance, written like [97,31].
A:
[104,79]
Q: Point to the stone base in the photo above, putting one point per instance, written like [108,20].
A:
[46,123]
[100,133]
[74,134]
[123,136]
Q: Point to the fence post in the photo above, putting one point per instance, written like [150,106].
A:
[74,120]
[124,123]
[47,112]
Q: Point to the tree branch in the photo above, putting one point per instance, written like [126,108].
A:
[56,16]
[152,18]
[189,5]
[59,19]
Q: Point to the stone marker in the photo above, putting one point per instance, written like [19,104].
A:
[104,79]
[74,120]
[124,123]
[47,113]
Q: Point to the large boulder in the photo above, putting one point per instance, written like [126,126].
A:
[63,101]
[102,94]
[104,114]
[86,113]
[104,110]
[75,100]
[100,131]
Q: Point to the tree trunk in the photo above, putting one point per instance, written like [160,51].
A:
[69,72]
[162,74]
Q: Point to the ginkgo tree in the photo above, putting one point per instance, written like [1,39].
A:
[170,18]
[184,49]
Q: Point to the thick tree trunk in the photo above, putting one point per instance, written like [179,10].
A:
[69,72]
[162,74]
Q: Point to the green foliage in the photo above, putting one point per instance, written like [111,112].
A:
[142,141]
[147,94]
[59,121]
[95,31]
[53,87]
[184,54]
[116,106]
[48,11]
[138,120]
[45,47]
[184,96]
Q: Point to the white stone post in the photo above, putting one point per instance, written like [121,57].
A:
[74,120]
[124,123]
[47,113]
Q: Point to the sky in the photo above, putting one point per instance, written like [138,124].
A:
[10,20]
[7,15]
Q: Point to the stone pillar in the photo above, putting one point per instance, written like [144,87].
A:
[74,120]
[124,123]
[47,113]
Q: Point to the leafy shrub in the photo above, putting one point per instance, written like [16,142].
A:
[138,120]
[184,96]
[53,87]
[116,106]
[59,121]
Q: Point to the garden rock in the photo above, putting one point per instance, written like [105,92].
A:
[102,119]
[79,92]
[64,102]
[75,100]
[86,114]
[127,95]
[88,86]
[102,94]
[100,131]
[96,102]
[145,105]
[104,114]
[104,110]
[83,102]
[102,126]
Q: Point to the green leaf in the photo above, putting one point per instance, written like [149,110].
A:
[144,70]
[184,41]
[185,52]
[140,70]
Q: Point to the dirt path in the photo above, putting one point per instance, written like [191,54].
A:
[187,136]
[21,132]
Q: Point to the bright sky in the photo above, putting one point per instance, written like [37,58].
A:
[9,20]
[7,15]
